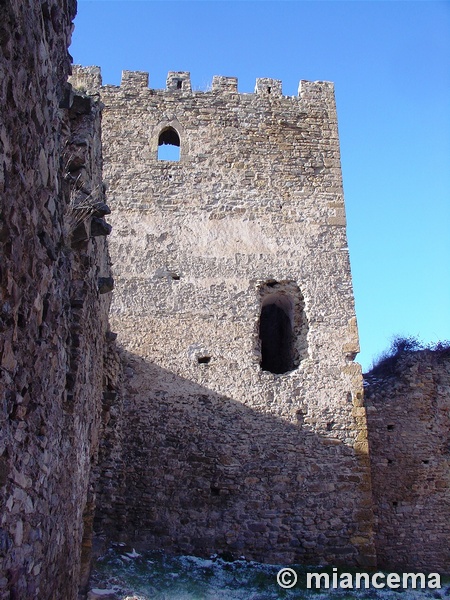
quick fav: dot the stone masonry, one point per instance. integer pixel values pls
(243, 429)
(53, 314)
(408, 414)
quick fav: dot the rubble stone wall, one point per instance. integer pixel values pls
(408, 415)
(53, 319)
(218, 454)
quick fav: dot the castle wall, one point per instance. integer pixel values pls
(217, 454)
(53, 318)
(408, 415)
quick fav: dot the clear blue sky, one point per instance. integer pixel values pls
(390, 62)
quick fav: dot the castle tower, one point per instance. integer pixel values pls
(244, 430)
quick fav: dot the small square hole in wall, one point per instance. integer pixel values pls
(204, 360)
(390, 427)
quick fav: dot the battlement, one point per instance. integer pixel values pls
(90, 79)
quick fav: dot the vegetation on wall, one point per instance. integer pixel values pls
(387, 362)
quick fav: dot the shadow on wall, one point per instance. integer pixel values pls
(408, 411)
(196, 472)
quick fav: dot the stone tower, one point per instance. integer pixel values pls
(243, 429)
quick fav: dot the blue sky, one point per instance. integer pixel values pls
(390, 62)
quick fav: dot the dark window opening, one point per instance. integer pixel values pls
(169, 145)
(269, 89)
(275, 332)
(204, 360)
(179, 83)
(282, 327)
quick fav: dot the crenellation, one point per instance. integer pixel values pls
(268, 87)
(224, 84)
(134, 79)
(178, 81)
(316, 91)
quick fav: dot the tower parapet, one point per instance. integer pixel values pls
(89, 79)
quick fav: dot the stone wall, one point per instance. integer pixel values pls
(408, 411)
(217, 452)
(53, 318)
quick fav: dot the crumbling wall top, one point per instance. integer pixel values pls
(87, 79)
